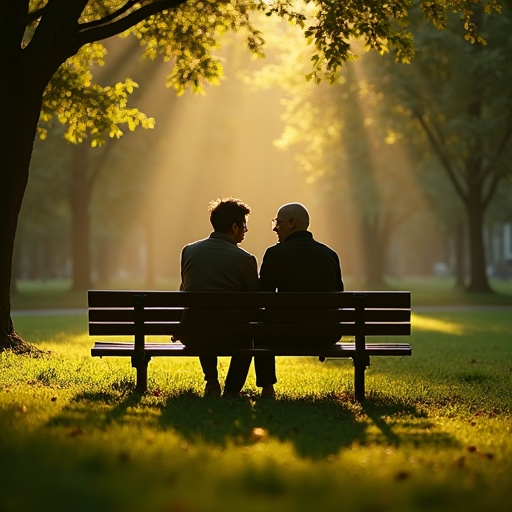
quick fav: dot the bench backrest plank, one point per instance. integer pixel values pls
(259, 313)
(244, 300)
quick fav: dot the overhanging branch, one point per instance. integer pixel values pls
(101, 30)
(111, 17)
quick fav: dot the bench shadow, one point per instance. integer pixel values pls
(315, 428)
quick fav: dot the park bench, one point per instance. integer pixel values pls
(355, 315)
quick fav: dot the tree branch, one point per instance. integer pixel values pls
(12, 24)
(437, 145)
(104, 31)
(35, 15)
(491, 190)
(496, 176)
(503, 143)
(110, 17)
(58, 28)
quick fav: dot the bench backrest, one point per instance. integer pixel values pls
(142, 313)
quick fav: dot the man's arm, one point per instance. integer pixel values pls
(339, 280)
(250, 275)
(182, 286)
(268, 282)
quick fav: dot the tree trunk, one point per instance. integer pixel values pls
(20, 103)
(475, 210)
(478, 281)
(460, 260)
(80, 198)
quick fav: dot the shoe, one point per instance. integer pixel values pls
(228, 393)
(212, 388)
(268, 392)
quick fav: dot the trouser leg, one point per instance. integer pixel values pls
(265, 367)
(237, 374)
(209, 366)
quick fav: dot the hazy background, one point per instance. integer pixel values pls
(153, 187)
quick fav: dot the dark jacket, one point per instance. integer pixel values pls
(300, 264)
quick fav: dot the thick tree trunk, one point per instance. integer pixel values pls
(20, 103)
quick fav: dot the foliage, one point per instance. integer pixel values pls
(86, 108)
(433, 434)
(186, 34)
(468, 122)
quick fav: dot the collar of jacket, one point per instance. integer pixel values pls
(222, 236)
(299, 234)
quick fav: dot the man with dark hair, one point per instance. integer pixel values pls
(218, 264)
(298, 263)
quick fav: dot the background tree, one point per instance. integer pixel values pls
(460, 97)
(44, 61)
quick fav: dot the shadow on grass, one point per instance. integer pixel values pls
(314, 427)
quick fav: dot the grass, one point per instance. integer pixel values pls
(434, 433)
(425, 291)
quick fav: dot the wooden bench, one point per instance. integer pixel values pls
(356, 315)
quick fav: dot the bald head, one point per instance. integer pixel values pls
(290, 218)
(295, 211)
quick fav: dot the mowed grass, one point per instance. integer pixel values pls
(434, 433)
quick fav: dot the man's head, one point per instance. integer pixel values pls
(290, 218)
(229, 216)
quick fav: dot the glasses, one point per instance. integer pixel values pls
(276, 222)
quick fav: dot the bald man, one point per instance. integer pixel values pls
(297, 263)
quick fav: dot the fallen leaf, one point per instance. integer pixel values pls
(259, 433)
(76, 432)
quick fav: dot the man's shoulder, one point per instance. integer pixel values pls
(216, 244)
(297, 244)
(193, 245)
(273, 249)
(324, 247)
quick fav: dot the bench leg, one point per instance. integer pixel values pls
(360, 364)
(140, 363)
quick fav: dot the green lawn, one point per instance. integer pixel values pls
(434, 435)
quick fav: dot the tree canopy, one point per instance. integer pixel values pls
(186, 34)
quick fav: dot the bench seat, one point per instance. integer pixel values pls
(340, 350)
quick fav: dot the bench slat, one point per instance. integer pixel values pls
(117, 349)
(230, 300)
(274, 330)
(174, 315)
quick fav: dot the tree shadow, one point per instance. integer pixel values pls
(314, 427)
